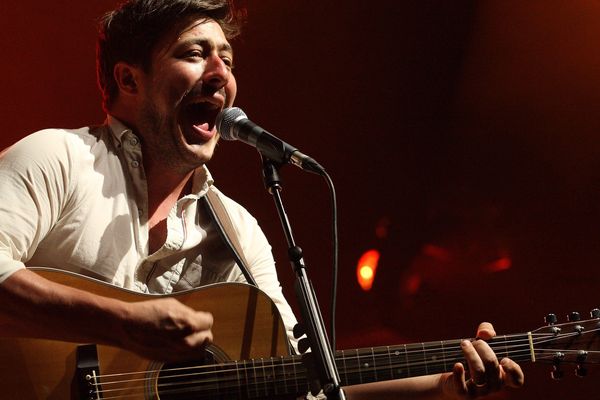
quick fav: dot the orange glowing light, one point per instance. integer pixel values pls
(366, 269)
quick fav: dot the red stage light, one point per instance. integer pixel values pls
(366, 269)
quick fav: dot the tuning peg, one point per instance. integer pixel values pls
(595, 313)
(580, 371)
(573, 316)
(550, 319)
(556, 373)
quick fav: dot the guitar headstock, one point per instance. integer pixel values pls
(573, 342)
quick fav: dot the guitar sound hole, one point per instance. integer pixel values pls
(205, 379)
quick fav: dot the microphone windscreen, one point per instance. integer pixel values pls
(226, 120)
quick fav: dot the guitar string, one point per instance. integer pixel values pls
(220, 386)
(403, 349)
(269, 365)
(283, 363)
(415, 366)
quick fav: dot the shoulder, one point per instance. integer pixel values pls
(49, 145)
(245, 225)
(239, 214)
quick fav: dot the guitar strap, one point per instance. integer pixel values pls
(218, 213)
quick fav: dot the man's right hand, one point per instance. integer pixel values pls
(166, 330)
(160, 329)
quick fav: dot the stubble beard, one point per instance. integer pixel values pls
(160, 132)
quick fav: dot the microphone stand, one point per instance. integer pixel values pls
(321, 356)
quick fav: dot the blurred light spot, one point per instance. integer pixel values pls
(500, 264)
(413, 284)
(366, 272)
(382, 229)
(438, 253)
(366, 269)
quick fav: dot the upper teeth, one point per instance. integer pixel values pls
(206, 102)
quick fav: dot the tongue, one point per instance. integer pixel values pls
(204, 126)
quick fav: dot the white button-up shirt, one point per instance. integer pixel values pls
(77, 200)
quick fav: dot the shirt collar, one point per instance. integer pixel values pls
(117, 128)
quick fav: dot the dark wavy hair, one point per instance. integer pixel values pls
(131, 32)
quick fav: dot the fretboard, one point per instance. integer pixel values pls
(404, 361)
(278, 376)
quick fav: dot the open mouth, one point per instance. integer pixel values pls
(201, 114)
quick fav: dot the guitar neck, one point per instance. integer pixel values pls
(409, 360)
(259, 378)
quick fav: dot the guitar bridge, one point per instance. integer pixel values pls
(86, 379)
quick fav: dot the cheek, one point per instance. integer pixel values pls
(230, 91)
(175, 83)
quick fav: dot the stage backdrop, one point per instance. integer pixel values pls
(462, 138)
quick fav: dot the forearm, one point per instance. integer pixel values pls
(32, 306)
(422, 388)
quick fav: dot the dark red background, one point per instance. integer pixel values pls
(467, 131)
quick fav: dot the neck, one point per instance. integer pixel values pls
(164, 189)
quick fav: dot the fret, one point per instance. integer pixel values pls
(505, 346)
(374, 365)
(345, 369)
(424, 358)
(264, 377)
(295, 375)
(239, 383)
(415, 355)
(432, 352)
(284, 375)
(367, 371)
(407, 363)
(390, 362)
(277, 376)
(217, 386)
(358, 362)
(455, 355)
(351, 367)
(245, 369)
(444, 356)
(399, 363)
(226, 380)
(519, 348)
(254, 377)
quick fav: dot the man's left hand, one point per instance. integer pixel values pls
(486, 373)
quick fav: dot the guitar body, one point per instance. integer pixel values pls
(247, 325)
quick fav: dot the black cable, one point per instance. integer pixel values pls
(334, 230)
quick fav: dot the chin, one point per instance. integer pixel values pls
(201, 153)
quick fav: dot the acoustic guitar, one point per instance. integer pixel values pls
(249, 359)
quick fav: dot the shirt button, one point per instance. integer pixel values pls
(140, 212)
(135, 164)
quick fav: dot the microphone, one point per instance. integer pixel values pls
(233, 124)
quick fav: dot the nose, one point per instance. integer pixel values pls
(217, 73)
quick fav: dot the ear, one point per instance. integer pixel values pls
(127, 78)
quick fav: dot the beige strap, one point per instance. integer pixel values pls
(215, 207)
